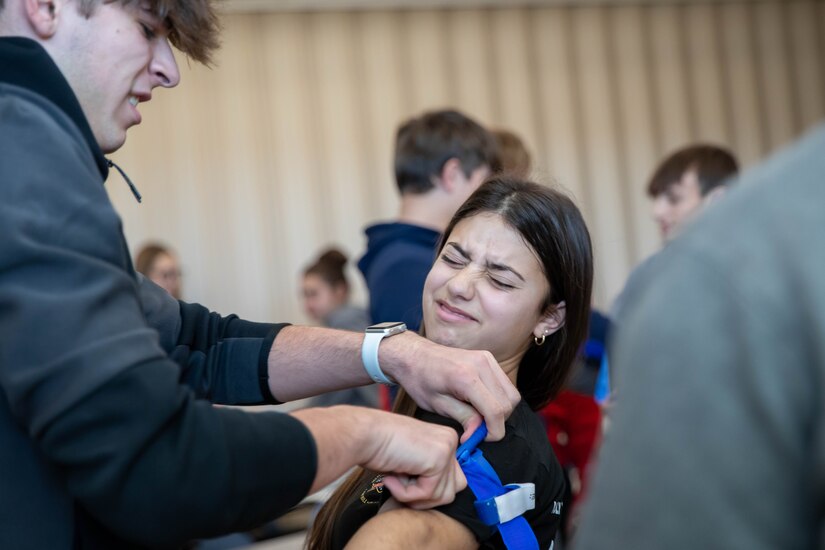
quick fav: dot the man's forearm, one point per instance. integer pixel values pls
(339, 435)
(307, 361)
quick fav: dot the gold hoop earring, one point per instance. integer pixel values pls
(539, 341)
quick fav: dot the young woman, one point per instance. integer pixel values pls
(160, 265)
(325, 290)
(513, 276)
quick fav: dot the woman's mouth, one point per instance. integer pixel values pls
(452, 314)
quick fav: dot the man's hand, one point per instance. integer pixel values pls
(465, 385)
(417, 458)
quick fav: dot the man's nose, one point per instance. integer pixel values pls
(163, 66)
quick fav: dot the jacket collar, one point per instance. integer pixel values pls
(24, 63)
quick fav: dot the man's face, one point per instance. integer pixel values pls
(677, 205)
(113, 60)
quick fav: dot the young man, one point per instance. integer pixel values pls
(685, 183)
(101, 445)
(441, 157)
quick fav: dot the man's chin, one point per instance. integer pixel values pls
(112, 144)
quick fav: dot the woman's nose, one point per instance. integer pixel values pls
(462, 284)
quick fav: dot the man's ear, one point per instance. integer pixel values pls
(43, 16)
(451, 174)
(551, 321)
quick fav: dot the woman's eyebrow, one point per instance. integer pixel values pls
(502, 267)
(490, 265)
(460, 250)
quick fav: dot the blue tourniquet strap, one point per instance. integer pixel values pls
(486, 485)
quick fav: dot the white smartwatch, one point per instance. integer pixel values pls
(369, 349)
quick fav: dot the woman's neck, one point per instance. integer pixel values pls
(510, 367)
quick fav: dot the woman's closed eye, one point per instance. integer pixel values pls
(451, 261)
(504, 285)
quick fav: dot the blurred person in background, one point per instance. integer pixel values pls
(513, 154)
(325, 290)
(685, 183)
(160, 265)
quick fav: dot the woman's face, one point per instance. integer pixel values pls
(321, 298)
(166, 274)
(485, 291)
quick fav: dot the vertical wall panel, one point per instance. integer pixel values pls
(293, 152)
(286, 145)
(602, 166)
(807, 54)
(775, 72)
(741, 61)
(559, 161)
(427, 55)
(384, 96)
(671, 77)
(636, 139)
(707, 89)
(471, 65)
(509, 38)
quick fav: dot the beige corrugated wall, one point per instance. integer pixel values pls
(285, 146)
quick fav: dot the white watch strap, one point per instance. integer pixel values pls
(369, 355)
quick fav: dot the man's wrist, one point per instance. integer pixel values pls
(394, 354)
(362, 427)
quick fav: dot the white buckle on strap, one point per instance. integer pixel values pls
(519, 498)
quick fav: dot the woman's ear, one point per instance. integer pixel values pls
(551, 321)
(43, 16)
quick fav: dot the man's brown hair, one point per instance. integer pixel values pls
(192, 24)
(711, 164)
(424, 144)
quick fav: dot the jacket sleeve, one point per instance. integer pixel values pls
(223, 359)
(86, 378)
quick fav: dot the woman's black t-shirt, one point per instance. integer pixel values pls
(523, 456)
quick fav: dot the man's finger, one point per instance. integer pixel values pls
(419, 493)
(470, 426)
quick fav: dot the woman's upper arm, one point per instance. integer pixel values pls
(405, 528)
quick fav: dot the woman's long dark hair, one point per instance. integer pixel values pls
(553, 227)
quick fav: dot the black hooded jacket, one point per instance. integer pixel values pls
(105, 440)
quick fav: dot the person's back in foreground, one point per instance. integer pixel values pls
(717, 440)
(497, 285)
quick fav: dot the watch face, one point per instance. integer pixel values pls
(383, 327)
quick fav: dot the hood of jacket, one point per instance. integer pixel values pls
(24, 63)
(382, 235)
